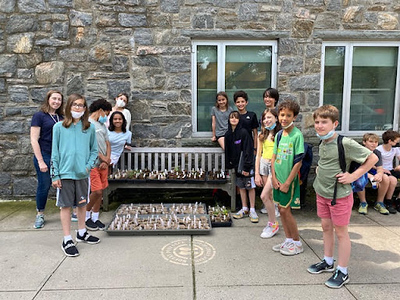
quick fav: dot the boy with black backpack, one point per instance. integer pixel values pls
(334, 192)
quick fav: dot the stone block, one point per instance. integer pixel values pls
(145, 131)
(5, 178)
(18, 94)
(100, 53)
(304, 83)
(120, 63)
(302, 28)
(20, 43)
(51, 42)
(2, 85)
(132, 20)
(25, 73)
(73, 54)
(49, 54)
(146, 61)
(75, 84)
(7, 6)
(143, 36)
(178, 81)
(169, 6)
(248, 11)
(39, 93)
(175, 64)
(118, 86)
(13, 111)
(21, 23)
(291, 65)
(29, 6)
(49, 72)
(8, 65)
(12, 127)
(60, 30)
(106, 19)
(79, 18)
(24, 186)
(61, 3)
(26, 61)
(203, 22)
(388, 21)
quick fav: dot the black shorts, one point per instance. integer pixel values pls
(395, 173)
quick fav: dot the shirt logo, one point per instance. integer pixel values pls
(237, 142)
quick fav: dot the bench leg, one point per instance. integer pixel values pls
(106, 200)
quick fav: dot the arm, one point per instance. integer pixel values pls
(258, 178)
(255, 139)
(55, 158)
(35, 134)
(275, 182)
(213, 125)
(105, 159)
(379, 174)
(347, 178)
(93, 149)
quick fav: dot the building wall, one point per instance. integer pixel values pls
(100, 48)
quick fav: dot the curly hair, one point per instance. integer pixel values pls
(100, 104)
(290, 105)
(111, 127)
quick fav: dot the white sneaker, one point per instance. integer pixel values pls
(270, 230)
(277, 248)
(253, 217)
(263, 210)
(291, 249)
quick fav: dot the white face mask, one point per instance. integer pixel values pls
(287, 126)
(77, 115)
(120, 103)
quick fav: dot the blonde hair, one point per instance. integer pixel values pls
(370, 136)
(327, 111)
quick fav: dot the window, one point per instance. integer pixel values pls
(229, 66)
(361, 80)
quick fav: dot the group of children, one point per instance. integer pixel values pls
(279, 150)
(78, 151)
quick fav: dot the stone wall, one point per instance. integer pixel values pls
(102, 47)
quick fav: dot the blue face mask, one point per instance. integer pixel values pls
(270, 127)
(326, 136)
(102, 119)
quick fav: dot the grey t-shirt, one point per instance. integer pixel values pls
(101, 137)
(221, 120)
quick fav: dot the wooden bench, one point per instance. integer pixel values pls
(160, 159)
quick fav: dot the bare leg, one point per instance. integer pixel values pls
(65, 216)
(266, 197)
(344, 245)
(221, 142)
(289, 223)
(252, 198)
(95, 201)
(328, 237)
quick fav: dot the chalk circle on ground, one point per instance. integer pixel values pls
(180, 252)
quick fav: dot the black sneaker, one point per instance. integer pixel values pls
(397, 204)
(100, 225)
(87, 238)
(90, 225)
(389, 206)
(69, 248)
(320, 267)
(337, 280)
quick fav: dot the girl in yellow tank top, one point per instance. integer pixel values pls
(269, 127)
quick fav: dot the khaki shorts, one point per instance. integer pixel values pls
(265, 167)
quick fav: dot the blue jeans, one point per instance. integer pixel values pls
(44, 182)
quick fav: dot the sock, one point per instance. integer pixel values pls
(329, 260)
(252, 210)
(87, 215)
(342, 269)
(67, 238)
(82, 231)
(245, 208)
(289, 240)
(298, 243)
(95, 216)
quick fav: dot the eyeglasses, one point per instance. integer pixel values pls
(78, 105)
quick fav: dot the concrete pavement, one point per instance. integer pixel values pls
(229, 263)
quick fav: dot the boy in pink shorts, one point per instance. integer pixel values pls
(335, 217)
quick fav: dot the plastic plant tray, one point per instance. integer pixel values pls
(151, 224)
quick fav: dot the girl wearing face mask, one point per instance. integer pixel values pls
(270, 126)
(74, 153)
(121, 101)
(99, 111)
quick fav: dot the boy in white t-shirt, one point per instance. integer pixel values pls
(389, 152)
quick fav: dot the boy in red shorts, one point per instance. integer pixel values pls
(335, 217)
(99, 110)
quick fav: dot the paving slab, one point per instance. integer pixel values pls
(17, 295)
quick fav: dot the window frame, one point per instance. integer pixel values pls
(348, 66)
(221, 55)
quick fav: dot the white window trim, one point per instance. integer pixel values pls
(221, 70)
(347, 80)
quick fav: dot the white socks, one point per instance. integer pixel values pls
(67, 238)
(329, 260)
(95, 216)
